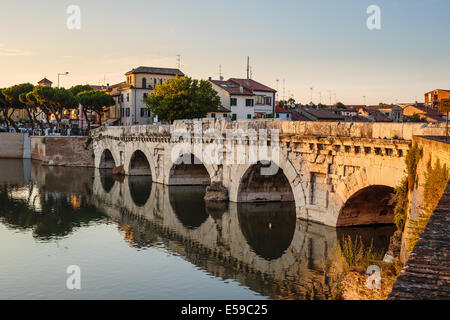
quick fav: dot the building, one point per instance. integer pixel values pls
(45, 83)
(281, 113)
(139, 83)
(245, 98)
(313, 114)
(374, 115)
(428, 113)
(393, 112)
(222, 112)
(433, 98)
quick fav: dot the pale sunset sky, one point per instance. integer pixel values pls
(322, 43)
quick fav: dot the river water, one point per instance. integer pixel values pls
(133, 239)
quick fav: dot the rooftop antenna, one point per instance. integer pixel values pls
(311, 88)
(364, 100)
(248, 67)
(320, 97)
(179, 61)
(251, 73)
(220, 72)
(278, 81)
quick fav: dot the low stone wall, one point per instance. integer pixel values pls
(14, 145)
(62, 151)
(427, 273)
(371, 130)
(433, 148)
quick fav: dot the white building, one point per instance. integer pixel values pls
(139, 84)
(245, 98)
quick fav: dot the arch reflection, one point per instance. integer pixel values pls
(268, 228)
(140, 189)
(188, 204)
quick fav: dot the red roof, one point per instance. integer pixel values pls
(281, 110)
(251, 85)
(232, 88)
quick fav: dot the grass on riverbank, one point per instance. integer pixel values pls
(346, 269)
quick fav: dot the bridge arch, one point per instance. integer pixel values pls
(371, 205)
(254, 186)
(189, 170)
(107, 160)
(139, 164)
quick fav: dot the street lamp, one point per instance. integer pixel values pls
(62, 74)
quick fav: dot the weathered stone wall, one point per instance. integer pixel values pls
(14, 145)
(427, 272)
(434, 148)
(62, 151)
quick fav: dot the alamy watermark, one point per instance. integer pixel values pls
(74, 19)
(374, 279)
(374, 20)
(227, 147)
(73, 282)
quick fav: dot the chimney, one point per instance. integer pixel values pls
(209, 78)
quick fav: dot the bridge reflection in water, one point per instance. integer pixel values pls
(262, 246)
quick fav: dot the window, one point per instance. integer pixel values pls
(233, 116)
(249, 116)
(233, 102)
(121, 112)
(128, 97)
(213, 115)
(154, 82)
(121, 97)
(268, 101)
(144, 83)
(249, 102)
(128, 112)
(260, 99)
(145, 95)
(143, 112)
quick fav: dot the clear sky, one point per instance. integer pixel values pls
(322, 43)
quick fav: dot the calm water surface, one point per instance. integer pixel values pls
(136, 240)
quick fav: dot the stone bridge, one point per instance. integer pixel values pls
(337, 174)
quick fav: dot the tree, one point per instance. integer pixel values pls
(55, 101)
(4, 107)
(94, 101)
(416, 118)
(340, 105)
(183, 98)
(12, 96)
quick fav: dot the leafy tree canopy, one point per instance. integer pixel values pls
(183, 98)
(12, 94)
(340, 105)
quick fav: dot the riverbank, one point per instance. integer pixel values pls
(71, 151)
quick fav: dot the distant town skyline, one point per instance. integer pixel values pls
(321, 44)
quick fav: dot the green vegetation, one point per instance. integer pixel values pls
(183, 98)
(406, 185)
(436, 179)
(94, 101)
(346, 269)
(401, 208)
(340, 105)
(48, 101)
(416, 118)
(412, 160)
